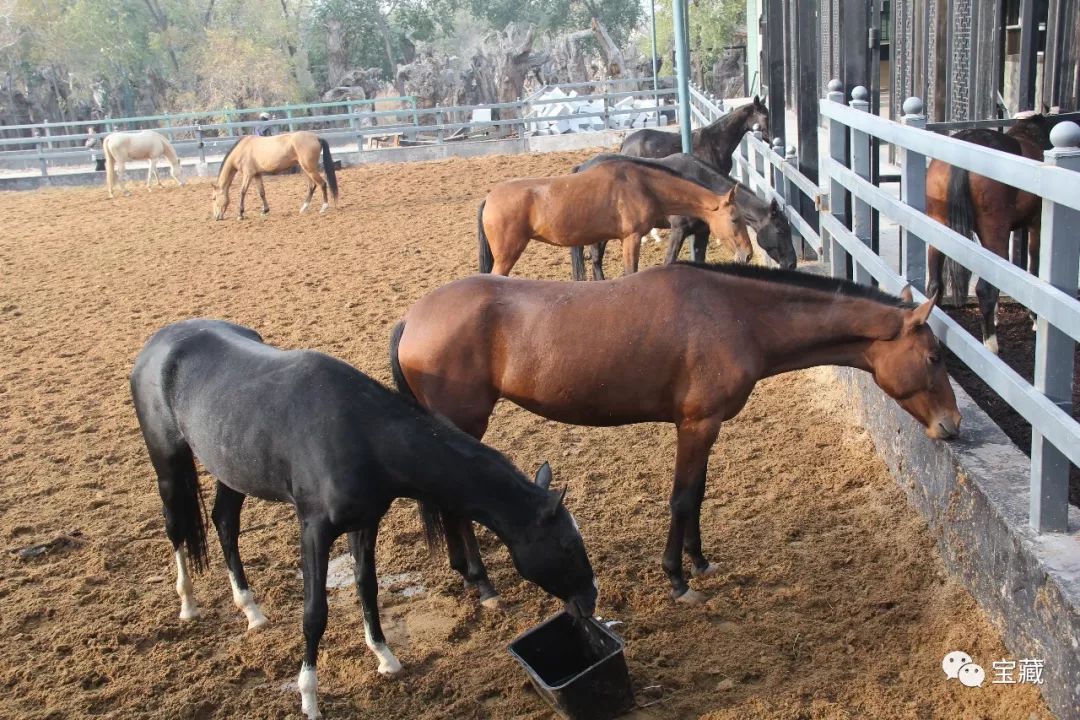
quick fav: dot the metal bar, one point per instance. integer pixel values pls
(861, 150)
(774, 53)
(808, 51)
(1059, 308)
(1029, 35)
(1051, 183)
(913, 192)
(655, 69)
(682, 60)
(1059, 259)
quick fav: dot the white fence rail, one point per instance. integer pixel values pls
(847, 199)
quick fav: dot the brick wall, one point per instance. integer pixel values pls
(960, 61)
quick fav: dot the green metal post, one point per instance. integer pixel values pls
(655, 70)
(682, 61)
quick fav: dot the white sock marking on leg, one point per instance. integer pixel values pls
(991, 343)
(189, 609)
(308, 682)
(245, 602)
(388, 664)
(324, 208)
(304, 207)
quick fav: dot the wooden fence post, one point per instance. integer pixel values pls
(1059, 259)
(913, 192)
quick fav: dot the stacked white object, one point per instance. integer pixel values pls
(560, 112)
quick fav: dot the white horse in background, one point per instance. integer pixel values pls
(121, 147)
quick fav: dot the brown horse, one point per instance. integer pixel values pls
(254, 156)
(560, 350)
(967, 202)
(620, 199)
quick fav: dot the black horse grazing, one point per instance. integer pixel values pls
(713, 143)
(305, 428)
(767, 219)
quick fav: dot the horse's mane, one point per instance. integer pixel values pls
(1035, 128)
(645, 162)
(810, 281)
(721, 123)
(993, 139)
(227, 154)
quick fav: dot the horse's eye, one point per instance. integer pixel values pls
(933, 358)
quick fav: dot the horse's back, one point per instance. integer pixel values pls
(650, 143)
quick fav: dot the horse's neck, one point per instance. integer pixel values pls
(727, 129)
(226, 173)
(683, 197)
(799, 328)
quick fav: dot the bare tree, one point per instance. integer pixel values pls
(9, 32)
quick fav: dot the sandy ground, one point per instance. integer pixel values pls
(832, 602)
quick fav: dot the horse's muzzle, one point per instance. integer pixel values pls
(582, 606)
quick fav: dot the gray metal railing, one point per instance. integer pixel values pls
(847, 200)
(346, 122)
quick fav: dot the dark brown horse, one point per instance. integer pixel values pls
(968, 202)
(713, 143)
(622, 199)
(560, 350)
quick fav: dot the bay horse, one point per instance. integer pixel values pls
(305, 428)
(621, 199)
(968, 202)
(713, 143)
(560, 350)
(767, 219)
(121, 147)
(254, 156)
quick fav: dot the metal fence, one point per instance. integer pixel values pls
(347, 122)
(847, 201)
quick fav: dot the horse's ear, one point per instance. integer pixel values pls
(757, 101)
(906, 295)
(774, 208)
(921, 314)
(543, 476)
(730, 196)
(551, 509)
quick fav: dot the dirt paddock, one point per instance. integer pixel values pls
(832, 602)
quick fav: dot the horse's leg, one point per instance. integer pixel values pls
(157, 177)
(1034, 231)
(934, 261)
(701, 243)
(315, 542)
(577, 262)
(244, 184)
(675, 242)
(121, 176)
(325, 195)
(464, 552)
(226, 517)
(995, 240)
(310, 192)
(695, 440)
(262, 193)
(631, 252)
(596, 251)
(150, 173)
(506, 254)
(362, 545)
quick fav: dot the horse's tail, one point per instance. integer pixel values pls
(487, 260)
(328, 168)
(184, 508)
(962, 220)
(395, 364)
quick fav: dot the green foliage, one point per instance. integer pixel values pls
(712, 25)
(619, 16)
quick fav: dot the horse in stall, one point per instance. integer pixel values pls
(121, 147)
(560, 350)
(304, 428)
(713, 143)
(767, 219)
(620, 199)
(253, 156)
(968, 202)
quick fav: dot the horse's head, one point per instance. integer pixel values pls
(549, 551)
(911, 369)
(219, 203)
(728, 225)
(774, 237)
(758, 115)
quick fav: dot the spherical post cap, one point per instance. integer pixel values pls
(836, 86)
(1065, 135)
(913, 106)
(792, 150)
(778, 144)
(860, 93)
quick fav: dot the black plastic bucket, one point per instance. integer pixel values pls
(577, 666)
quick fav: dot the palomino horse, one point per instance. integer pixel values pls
(304, 428)
(968, 202)
(560, 350)
(253, 156)
(621, 199)
(713, 143)
(120, 147)
(770, 224)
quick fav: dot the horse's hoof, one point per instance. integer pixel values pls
(303, 208)
(389, 669)
(190, 613)
(257, 624)
(991, 344)
(692, 597)
(324, 208)
(707, 572)
(495, 602)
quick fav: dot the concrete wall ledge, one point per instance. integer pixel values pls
(973, 493)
